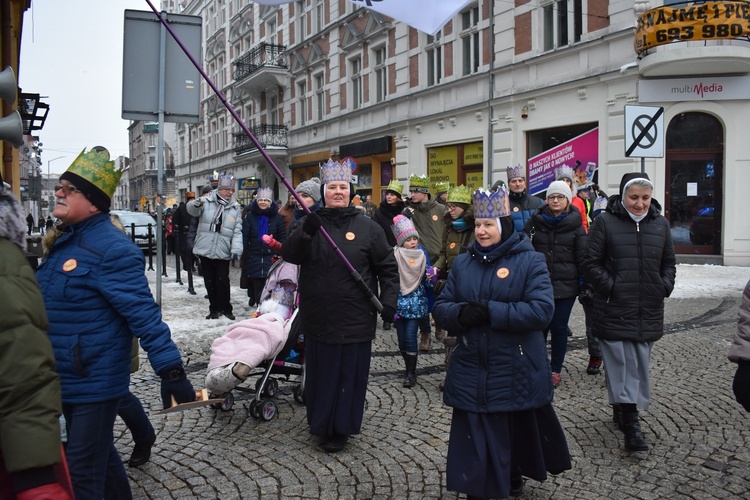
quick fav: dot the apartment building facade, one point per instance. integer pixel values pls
(538, 83)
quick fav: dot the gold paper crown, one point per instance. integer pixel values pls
(333, 171)
(396, 187)
(490, 205)
(442, 187)
(459, 194)
(565, 172)
(265, 194)
(419, 183)
(516, 172)
(96, 167)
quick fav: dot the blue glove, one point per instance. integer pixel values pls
(174, 382)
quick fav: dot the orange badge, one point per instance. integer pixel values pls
(503, 272)
(411, 262)
(231, 219)
(69, 265)
(350, 236)
(452, 245)
(435, 217)
(515, 209)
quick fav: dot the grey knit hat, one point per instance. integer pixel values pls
(560, 187)
(310, 187)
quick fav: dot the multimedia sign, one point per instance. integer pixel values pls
(706, 21)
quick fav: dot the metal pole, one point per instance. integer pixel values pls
(160, 162)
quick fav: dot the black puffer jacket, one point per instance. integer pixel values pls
(384, 216)
(632, 269)
(563, 245)
(333, 308)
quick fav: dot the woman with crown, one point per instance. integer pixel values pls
(337, 317)
(497, 301)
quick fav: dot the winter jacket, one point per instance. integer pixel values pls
(211, 244)
(299, 216)
(578, 203)
(97, 298)
(29, 386)
(631, 266)
(384, 216)
(256, 255)
(333, 307)
(500, 366)
(740, 348)
(428, 219)
(522, 207)
(562, 244)
(455, 242)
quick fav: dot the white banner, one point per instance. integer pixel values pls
(425, 15)
(705, 88)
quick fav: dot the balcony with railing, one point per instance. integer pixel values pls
(274, 136)
(265, 66)
(693, 38)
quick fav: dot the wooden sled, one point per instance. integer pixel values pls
(201, 399)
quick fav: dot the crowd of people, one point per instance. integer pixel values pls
(495, 272)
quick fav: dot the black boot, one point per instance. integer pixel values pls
(631, 427)
(617, 415)
(411, 370)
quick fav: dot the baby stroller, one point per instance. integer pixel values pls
(274, 331)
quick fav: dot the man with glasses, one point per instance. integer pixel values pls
(219, 236)
(97, 298)
(522, 204)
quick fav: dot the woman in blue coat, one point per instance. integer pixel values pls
(497, 301)
(262, 218)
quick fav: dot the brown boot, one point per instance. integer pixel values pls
(241, 371)
(424, 341)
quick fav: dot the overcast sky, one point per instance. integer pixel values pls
(71, 54)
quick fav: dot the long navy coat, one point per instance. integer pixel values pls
(256, 255)
(501, 366)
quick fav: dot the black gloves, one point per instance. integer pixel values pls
(741, 384)
(311, 224)
(474, 314)
(174, 382)
(388, 314)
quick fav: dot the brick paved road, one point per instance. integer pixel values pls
(698, 434)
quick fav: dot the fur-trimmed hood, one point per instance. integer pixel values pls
(12, 224)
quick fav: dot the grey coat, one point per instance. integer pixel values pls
(217, 245)
(740, 348)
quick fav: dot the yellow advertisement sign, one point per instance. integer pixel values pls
(707, 21)
(474, 180)
(442, 165)
(473, 153)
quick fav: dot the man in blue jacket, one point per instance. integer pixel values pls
(97, 298)
(522, 204)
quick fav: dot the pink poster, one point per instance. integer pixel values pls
(581, 153)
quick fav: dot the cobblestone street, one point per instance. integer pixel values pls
(698, 434)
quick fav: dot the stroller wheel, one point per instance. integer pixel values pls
(272, 388)
(228, 402)
(254, 409)
(299, 395)
(267, 410)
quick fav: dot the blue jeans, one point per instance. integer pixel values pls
(131, 412)
(95, 466)
(406, 330)
(558, 327)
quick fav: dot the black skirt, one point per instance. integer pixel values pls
(336, 378)
(485, 449)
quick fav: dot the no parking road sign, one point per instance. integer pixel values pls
(644, 131)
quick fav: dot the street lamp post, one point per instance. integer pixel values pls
(51, 205)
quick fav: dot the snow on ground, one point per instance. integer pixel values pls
(707, 280)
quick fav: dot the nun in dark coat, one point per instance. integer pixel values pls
(497, 301)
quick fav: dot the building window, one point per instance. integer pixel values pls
(320, 16)
(381, 80)
(560, 21)
(273, 103)
(302, 89)
(356, 66)
(271, 32)
(301, 21)
(470, 41)
(319, 96)
(434, 60)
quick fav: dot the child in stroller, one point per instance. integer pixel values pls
(268, 340)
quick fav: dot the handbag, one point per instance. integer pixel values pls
(244, 282)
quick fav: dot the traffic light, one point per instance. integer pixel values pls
(11, 126)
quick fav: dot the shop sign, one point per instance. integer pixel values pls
(473, 153)
(442, 165)
(249, 184)
(474, 180)
(707, 88)
(581, 153)
(706, 21)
